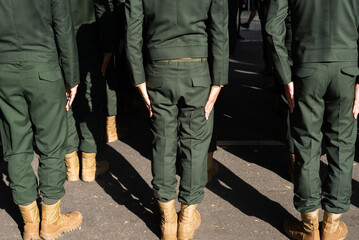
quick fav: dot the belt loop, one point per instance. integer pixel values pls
(170, 61)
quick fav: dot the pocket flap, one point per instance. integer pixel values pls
(154, 83)
(201, 81)
(50, 75)
(304, 72)
(351, 71)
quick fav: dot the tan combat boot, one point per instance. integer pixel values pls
(111, 129)
(291, 167)
(53, 223)
(189, 221)
(30, 214)
(212, 167)
(332, 227)
(73, 166)
(307, 229)
(168, 220)
(91, 168)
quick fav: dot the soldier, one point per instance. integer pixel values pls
(93, 25)
(179, 87)
(320, 90)
(38, 56)
(116, 76)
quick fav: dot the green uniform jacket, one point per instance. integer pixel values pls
(322, 31)
(93, 22)
(171, 29)
(42, 33)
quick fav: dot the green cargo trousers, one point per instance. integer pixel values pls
(178, 94)
(324, 96)
(112, 87)
(88, 106)
(32, 107)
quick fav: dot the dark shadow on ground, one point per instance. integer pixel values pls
(247, 199)
(273, 158)
(7, 203)
(124, 184)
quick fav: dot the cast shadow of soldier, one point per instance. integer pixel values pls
(125, 185)
(248, 199)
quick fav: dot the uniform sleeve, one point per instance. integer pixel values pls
(276, 29)
(289, 37)
(218, 42)
(134, 40)
(104, 17)
(66, 41)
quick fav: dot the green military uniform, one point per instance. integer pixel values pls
(112, 75)
(93, 25)
(325, 69)
(178, 88)
(37, 56)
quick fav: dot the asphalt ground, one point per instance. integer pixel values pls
(250, 197)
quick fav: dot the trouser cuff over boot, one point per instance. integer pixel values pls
(31, 217)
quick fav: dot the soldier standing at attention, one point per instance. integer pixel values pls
(179, 74)
(323, 96)
(93, 25)
(38, 56)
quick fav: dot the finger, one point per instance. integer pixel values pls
(67, 106)
(356, 109)
(208, 109)
(149, 109)
(71, 100)
(292, 105)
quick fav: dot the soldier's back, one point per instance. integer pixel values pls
(26, 31)
(325, 30)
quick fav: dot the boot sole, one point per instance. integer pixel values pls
(58, 233)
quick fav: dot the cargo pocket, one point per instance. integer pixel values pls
(304, 72)
(350, 71)
(50, 76)
(201, 81)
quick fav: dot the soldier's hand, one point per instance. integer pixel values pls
(211, 100)
(144, 94)
(70, 94)
(105, 62)
(356, 101)
(289, 93)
